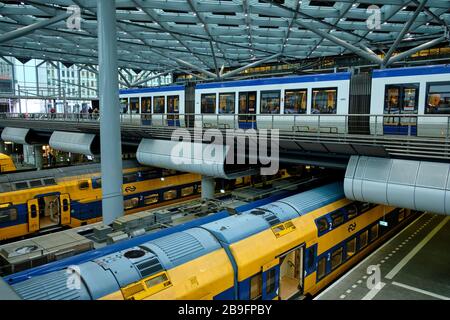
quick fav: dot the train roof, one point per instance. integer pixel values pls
(4, 156)
(277, 80)
(238, 227)
(411, 71)
(6, 180)
(152, 90)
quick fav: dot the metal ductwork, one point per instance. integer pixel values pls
(417, 185)
(205, 159)
(17, 135)
(82, 143)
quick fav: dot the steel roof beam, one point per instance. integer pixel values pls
(29, 29)
(404, 31)
(410, 52)
(251, 65)
(342, 43)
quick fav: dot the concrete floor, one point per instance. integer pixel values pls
(414, 265)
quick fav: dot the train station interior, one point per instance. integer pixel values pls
(225, 150)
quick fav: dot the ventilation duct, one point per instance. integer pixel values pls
(204, 159)
(82, 143)
(417, 185)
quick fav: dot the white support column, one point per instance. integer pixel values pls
(38, 158)
(208, 187)
(110, 137)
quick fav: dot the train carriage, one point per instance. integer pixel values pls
(70, 197)
(275, 103)
(164, 106)
(290, 248)
(422, 92)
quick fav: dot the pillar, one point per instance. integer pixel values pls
(208, 187)
(38, 158)
(110, 138)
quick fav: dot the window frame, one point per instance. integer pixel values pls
(353, 244)
(204, 95)
(261, 111)
(233, 94)
(324, 89)
(322, 262)
(427, 93)
(147, 110)
(257, 277)
(306, 100)
(271, 280)
(339, 251)
(9, 208)
(171, 191)
(366, 236)
(155, 105)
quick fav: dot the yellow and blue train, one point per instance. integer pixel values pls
(70, 197)
(289, 248)
(6, 163)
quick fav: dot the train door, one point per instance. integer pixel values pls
(33, 215)
(49, 209)
(173, 111)
(247, 110)
(291, 273)
(65, 209)
(401, 100)
(146, 111)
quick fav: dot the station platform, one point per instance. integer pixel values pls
(413, 265)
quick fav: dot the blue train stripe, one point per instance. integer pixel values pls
(412, 71)
(284, 80)
(151, 90)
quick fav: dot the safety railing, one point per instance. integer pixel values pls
(432, 125)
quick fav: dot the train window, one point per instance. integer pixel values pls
(131, 203)
(134, 105)
(156, 280)
(169, 195)
(256, 287)
(374, 232)
(124, 105)
(336, 258)
(35, 183)
(173, 104)
(392, 100)
(337, 219)
(363, 206)
(159, 103)
(129, 178)
(21, 185)
(227, 103)
(324, 101)
(401, 215)
(65, 204)
(270, 102)
(352, 211)
(7, 213)
(49, 182)
(321, 268)
(83, 185)
(146, 104)
(438, 98)
(322, 224)
(151, 199)
(208, 103)
(363, 239)
(401, 98)
(187, 191)
(33, 210)
(97, 183)
(295, 101)
(270, 280)
(351, 247)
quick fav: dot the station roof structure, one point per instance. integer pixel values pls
(206, 35)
